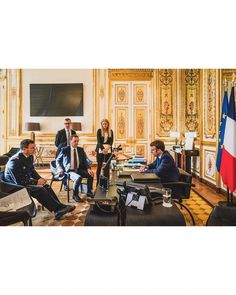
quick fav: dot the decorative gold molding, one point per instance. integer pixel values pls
(208, 143)
(192, 92)
(210, 104)
(211, 165)
(166, 102)
(130, 74)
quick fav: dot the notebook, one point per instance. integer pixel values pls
(126, 173)
(145, 177)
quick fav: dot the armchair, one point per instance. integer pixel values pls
(23, 214)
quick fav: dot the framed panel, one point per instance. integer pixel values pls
(140, 94)
(140, 123)
(166, 101)
(121, 94)
(210, 99)
(90, 151)
(209, 165)
(141, 150)
(121, 123)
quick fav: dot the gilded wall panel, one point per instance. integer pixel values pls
(121, 123)
(209, 165)
(121, 94)
(140, 123)
(140, 150)
(13, 98)
(191, 97)
(166, 92)
(130, 74)
(140, 94)
(210, 104)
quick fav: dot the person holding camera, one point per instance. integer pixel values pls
(104, 147)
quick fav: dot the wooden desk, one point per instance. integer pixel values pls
(152, 216)
(183, 159)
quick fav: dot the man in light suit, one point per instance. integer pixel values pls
(73, 160)
(63, 136)
(164, 165)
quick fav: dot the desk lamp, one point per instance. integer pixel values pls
(30, 126)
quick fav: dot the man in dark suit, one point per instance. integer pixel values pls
(73, 160)
(63, 136)
(164, 165)
(20, 170)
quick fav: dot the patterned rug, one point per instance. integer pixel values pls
(198, 207)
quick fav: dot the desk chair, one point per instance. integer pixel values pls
(12, 152)
(63, 178)
(222, 216)
(181, 189)
(23, 214)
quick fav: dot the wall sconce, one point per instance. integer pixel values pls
(175, 134)
(30, 126)
(76, 126)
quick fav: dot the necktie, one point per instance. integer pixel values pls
(75, 160)
(68, 137)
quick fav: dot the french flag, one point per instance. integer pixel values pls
(228, 160)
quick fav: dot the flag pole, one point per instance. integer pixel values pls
(232, 199)
(228, 203)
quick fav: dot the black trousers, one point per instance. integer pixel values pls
(100, 159)
(45, 196)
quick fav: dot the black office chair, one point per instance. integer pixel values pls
(23, 214)
(222, 216)
(181, 189)
(12, 152)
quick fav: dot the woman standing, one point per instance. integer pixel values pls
(104, 147)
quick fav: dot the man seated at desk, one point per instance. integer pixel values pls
(164, 165)
(73, 160)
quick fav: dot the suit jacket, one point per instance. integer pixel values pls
(61, 137)
(20, 170)
(63, 161)
(100, 140)
(165, 168)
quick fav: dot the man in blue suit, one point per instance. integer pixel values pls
(73, 160)
(164, 165)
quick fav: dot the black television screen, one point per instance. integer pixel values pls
(56, 100)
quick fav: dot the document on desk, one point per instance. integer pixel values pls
(16, 200)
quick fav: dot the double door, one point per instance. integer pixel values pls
(130, 116)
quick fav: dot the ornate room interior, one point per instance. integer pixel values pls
(141, 105)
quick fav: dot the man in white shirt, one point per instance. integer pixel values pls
(63, 136)
(73, 160)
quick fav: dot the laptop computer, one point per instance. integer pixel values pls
(144, 177)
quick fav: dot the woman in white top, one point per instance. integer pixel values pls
(104, 147)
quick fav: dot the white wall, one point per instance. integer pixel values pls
(53, 124)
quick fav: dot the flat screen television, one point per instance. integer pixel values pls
(54, 100)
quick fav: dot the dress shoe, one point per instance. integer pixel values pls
(62, 212)
(72, 207)
(90, 195)
(77, 199)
